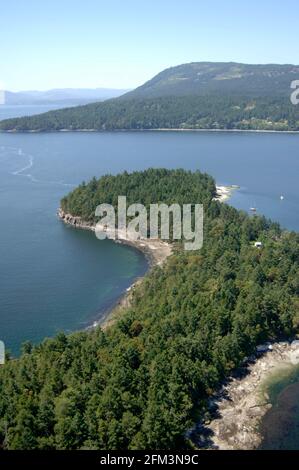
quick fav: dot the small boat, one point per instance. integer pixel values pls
(253, 209)
(281, 198)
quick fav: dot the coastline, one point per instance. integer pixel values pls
(238, 407)
(243, 400)
(255, 131)
(155, 250)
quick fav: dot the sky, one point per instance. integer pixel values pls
(121, 44)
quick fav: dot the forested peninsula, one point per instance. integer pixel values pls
(144, 381)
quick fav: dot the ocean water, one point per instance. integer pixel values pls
(53, 277)
(280, 425)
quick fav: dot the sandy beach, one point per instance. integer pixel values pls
(241, 403)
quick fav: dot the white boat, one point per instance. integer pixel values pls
(281, 198)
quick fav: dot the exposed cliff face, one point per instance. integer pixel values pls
(75, 221)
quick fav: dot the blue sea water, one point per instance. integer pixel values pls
(53, 277)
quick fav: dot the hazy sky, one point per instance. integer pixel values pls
(121, 44)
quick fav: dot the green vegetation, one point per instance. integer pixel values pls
(142, 382)
(220, 78)
(146, 187)
(190, 96)
(182, 112)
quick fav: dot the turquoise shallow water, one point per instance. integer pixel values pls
(280, 425)
(55, 278)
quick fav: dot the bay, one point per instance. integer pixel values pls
(55, 278)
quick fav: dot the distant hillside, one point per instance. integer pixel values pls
(202, 78)
(191, 96)
(62, 95)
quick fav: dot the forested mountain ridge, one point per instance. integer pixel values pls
(190, 96)
(143, 382)
(220, 78)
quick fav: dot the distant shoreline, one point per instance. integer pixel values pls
(100, 131)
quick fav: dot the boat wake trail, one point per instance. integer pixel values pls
(27, 167)
(30, 163)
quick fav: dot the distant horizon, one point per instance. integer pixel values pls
(44, 90)
(67, 96)
(126, 89)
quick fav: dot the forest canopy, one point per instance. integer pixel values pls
(168, 112)
(144, 381)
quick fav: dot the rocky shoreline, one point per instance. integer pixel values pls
(156, 251)
(238, 408)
